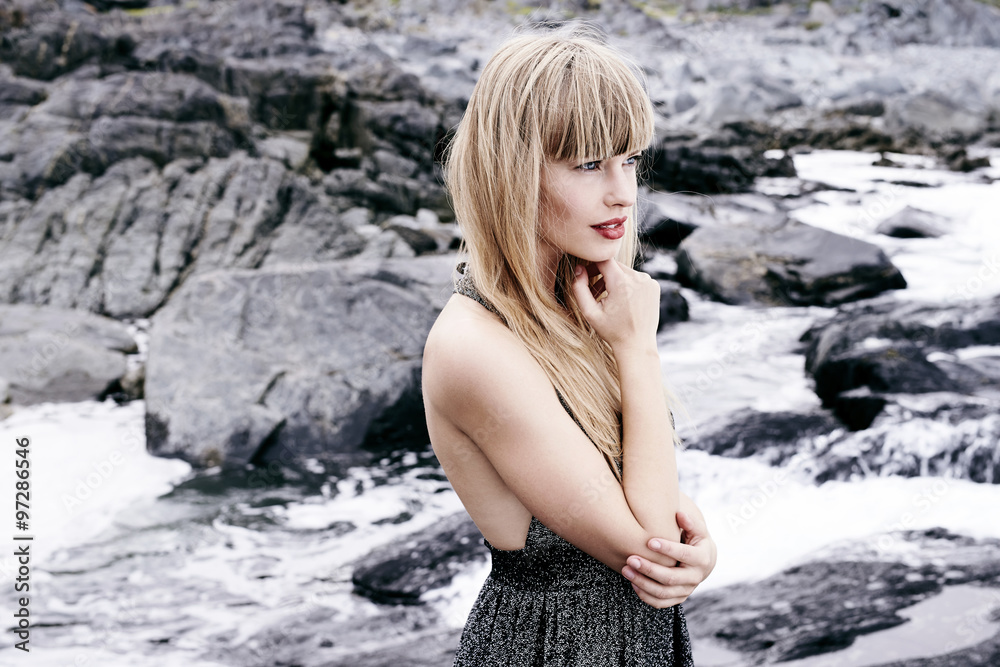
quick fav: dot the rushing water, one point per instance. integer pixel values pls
(140, 560)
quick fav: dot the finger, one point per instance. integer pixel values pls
(657, 602)
(682, 583)
(643, 570)
(694, 529)
(584, 297)
(686, 554)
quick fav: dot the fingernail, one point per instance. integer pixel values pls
(634, 563)
(578, 270)
(654, 544)
(629, 574)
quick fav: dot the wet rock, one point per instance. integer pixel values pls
(58, 354)
(290, 362)
(913, 223)
(402, 572)
(779, 261)
(937, 434)
(895, 367)
(771, 436)
(849, 590)
(891, 348)
(673, 305)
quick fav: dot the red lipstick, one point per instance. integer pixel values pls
(611, 229)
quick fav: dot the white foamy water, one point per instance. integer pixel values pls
(138, 560)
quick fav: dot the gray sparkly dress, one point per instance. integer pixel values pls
(552, 605)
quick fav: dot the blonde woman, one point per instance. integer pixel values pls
(541, 376)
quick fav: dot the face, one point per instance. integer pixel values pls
(584, 206)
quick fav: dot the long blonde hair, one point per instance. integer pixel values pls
(543, 97)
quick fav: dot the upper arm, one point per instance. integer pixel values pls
(497, 394)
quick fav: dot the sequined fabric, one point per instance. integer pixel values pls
(553, 605)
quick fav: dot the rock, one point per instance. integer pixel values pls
(752, 99)
(291, 362)
(850, 589)
(719, 164)
(47, 43)
(893, 367)
(784, 262)
(673, 306)
(935, 114)
(147, 230)
(401, 572)
(889, 348)
(821, 12)
(913, 223)
(58, 354)
(89, 124)
(885, 25)
(772, 436)
(940, 434)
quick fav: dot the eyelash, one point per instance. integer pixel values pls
(637, 159)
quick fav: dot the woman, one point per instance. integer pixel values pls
(544, 400)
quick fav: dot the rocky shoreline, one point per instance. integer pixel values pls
(147, 146)
(261, 181)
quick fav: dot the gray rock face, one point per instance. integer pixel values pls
(887, 348)
(854, 589)
(784, 262)
(56, 354)
(290, 362)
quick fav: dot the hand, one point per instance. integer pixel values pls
(662, 587)
(625, 313)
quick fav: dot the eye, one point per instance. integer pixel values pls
(590, 166)
(633, 160)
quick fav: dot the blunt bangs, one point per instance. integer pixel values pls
(599, 109)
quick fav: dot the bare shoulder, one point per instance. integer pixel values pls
(470, 353)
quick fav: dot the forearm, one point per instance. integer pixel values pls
(649, 465)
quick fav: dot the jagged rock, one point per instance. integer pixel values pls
(46, 42)
(913, 223)
(783, 262)
(885, 25)
(58, 354)
(290, 362)
(890, 348)
(400, 573)
(935, 434)
(89, 124)
(851, 589)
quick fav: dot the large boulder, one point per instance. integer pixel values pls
(292, 362)
(120, 243)
(779, 261)
(58, 354)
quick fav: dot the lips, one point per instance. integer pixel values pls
(611, 229)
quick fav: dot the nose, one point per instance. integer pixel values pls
(621, 187)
